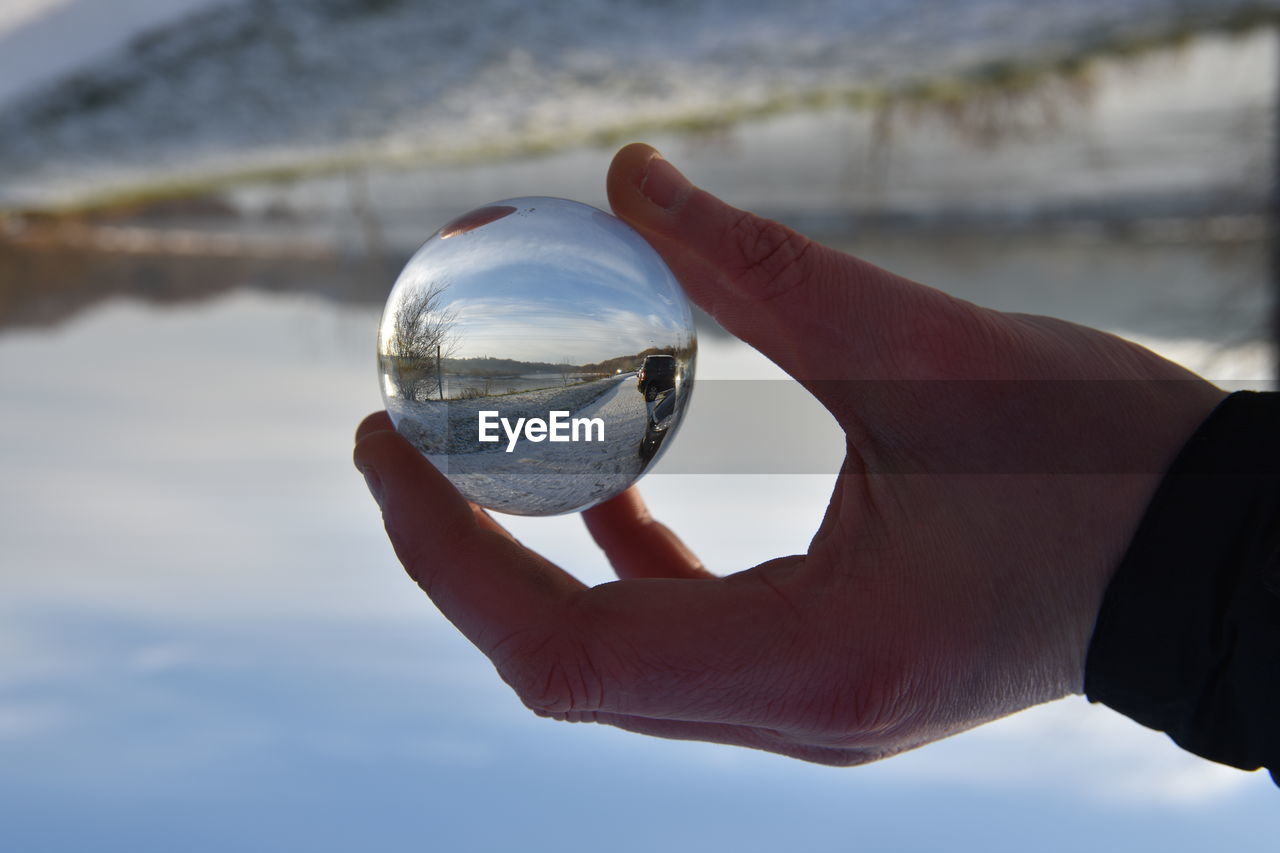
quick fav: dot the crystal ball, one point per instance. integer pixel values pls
(539, 353)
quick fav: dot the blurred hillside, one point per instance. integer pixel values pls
(276, 89)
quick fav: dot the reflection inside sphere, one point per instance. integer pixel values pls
(539, 352)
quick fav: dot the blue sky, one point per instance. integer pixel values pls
(206, 643)
(555, 281)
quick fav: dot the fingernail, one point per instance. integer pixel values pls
(374, 482)
(663, 184)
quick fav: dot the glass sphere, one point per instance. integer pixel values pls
(538, 352)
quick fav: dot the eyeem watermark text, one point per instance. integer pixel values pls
(558, 426)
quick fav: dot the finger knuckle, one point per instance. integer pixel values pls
(420, 560)
(422, 555)
(771, 258)
(877, 710)
(551, 676)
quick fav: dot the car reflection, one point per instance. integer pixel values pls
(657, 374)
(656, 380)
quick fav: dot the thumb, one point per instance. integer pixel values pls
(818, 313)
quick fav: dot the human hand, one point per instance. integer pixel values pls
(997, 466)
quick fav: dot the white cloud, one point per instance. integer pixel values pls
(16, 13)
(20, 720)
(159, 658)
(1080, 749)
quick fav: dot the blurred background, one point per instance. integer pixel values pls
(205, 641)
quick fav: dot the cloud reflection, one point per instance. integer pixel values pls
(528, 287)
(516, 329)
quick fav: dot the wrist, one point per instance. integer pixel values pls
(1189, 630)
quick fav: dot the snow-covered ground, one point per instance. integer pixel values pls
(41, 40)
(308, 84)
(535, 478)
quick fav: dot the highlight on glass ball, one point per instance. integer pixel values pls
(538, 352)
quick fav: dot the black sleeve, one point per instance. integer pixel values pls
(1188, 637)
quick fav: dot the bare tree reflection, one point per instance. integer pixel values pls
(420, 339)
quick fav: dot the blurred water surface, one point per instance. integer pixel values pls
(207, 641)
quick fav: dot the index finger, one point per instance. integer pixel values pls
(637, 545)
(483, 581)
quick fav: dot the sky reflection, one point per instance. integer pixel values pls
(206, 643)
(551, 281)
